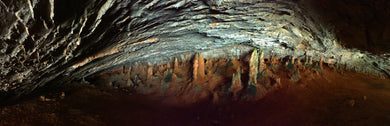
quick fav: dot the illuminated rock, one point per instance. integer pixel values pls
(45, 43)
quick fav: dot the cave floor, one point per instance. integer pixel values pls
(333, 99)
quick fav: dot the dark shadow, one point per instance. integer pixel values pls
(361, 24)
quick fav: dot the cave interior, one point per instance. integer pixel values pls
(194, 62)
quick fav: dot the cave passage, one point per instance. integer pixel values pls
(194, 62)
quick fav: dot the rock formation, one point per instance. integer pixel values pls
(262, 62)
(195, 67)
(46, 43)
(150, 74)
(236, 83)
(201, 66)
(253, 68)
(175, 65)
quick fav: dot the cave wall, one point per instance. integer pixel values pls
(54, 41)
(361, 24)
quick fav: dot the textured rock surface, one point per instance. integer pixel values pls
(62, 40)
(359, 24)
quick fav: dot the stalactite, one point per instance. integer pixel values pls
(275, 64)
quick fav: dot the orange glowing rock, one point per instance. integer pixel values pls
(262, 62)
(201, 66)
(176, 65)
(253, 67)
(195, 68)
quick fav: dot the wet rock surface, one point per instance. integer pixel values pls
(49, 42)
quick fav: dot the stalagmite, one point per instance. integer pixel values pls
(176, 65)
(201, 73)
(195, 68)
(124, 74)
(150, 74)
(168, 65)
(236, 83)
(307, 64)
(253, 68)
(311, 61)
(129, 73)
(292, 59)
(161, 67)
(290, 65)
(262, 62)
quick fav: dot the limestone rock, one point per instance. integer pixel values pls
(236, 83)
(176, 65)
(150, 74)
(262, 62)
(195, 67)
(201, 67)
(253, 67)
